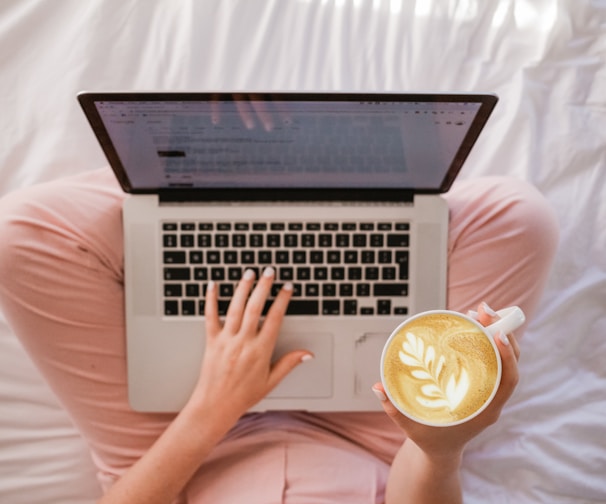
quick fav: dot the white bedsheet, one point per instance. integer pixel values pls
(546, 59)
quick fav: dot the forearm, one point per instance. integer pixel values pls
(417, 478)
(162, 473)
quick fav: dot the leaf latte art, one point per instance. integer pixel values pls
(439, 389)
(440, 368)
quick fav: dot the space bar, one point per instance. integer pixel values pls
(303, 307)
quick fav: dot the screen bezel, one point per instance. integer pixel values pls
(88, 100)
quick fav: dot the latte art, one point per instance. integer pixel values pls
(440, 368)
(439, 390)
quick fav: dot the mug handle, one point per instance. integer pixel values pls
(511, 318)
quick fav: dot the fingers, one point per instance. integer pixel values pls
(237, 305)
(509, 359)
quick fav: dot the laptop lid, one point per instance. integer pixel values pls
(286, 146)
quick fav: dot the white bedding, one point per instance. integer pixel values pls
(546, 59)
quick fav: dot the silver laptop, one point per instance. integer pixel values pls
(340, 193)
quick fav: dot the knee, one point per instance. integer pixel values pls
(505, 210)
(526, 214)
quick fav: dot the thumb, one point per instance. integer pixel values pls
(285, 364)
(392, 412)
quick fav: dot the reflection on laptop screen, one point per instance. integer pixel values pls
(290, 144)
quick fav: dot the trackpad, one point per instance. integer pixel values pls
(312, 378)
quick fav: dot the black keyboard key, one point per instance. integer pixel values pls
(330, 307)
(320, 273)
(400, 310)
(342, 240)
(390, 289)
(348, 226)
(337, 274)
(204, 240)
(333, 257)
(325, 240)
(187, 240)
(299, 257)
(402, 226)
(354, 273)
(241, 226)
(384, 307)
(255, 240)
(368, 257)
(226, 290)
(174, 257)
(247, 257)
(295, 226)
(169, 226)
(265, 257)
(303, 273)
(291, 240)
(188, 307)
(366, 310)
(397, 240)
(286, 273)
(173, 290)
(217, 274)
(329, 290)
(316, 257)
(363, 290)
(303, 307)
(169, 240)
(385, 256)
(238, 240)
(359, 240)
(273, 240)
(350, 257)
(230, 257)
(388, 273)
(221, 240)
(201, 274)
(350, 307)
(308, 240)
(376, 240)
(259, 226)
(234, 274)
(223, 226)
(312, 290)
(213, 257)
(177, 274)
(346, 290)
(195, 257)
(192, 290)
(282, 257)
(371, 273)
(171, 307)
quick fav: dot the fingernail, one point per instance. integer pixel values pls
(472, 314)
(307, 357)
(268, 272)
(210, 286)
(380, 395)
(503, 337)
(288, 286)
(488, 310)
(248, 275)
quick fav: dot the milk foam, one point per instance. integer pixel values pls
(440, 368)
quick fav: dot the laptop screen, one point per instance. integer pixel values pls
(177, 141)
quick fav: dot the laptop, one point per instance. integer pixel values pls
(339, 192)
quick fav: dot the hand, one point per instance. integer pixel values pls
(237, 371)
(450, 441)
(255, 109)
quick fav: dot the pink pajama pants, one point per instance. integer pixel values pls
(61, 269)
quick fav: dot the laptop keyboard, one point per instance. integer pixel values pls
(337, 268)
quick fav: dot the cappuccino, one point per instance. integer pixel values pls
(441, 368)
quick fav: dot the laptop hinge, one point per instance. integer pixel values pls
(269, 195)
